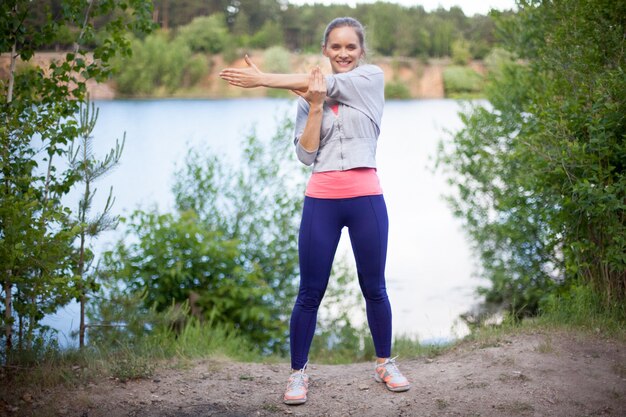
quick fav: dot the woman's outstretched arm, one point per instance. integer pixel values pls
(253, 77)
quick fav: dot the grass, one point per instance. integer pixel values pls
(581, 308)
(123, 362)
(360, 348)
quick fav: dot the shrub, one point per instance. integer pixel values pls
(207, 34)
(159, 66)
(270, 34)
(461, 52)
(459, 80)
(396, 90)
(539, 174)
(277, 60)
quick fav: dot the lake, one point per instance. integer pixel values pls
(429, 266)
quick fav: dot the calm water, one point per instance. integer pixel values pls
(429, 266)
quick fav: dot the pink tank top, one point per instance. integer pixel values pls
(355, 182)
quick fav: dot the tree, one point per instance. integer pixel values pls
(36, 231)
(89, 169)
(383, 21)
(540, 176)
(206, 34)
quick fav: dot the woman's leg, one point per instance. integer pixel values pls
(320, 230)
(368, 225)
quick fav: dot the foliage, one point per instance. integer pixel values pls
(461, 80)
(277, 60)
(539, 174)
(270, 34)
(157, 67)
(392, 29)
(396, 90)
(207, 34)
(89, 169)
(231, 241)
(461, 52)
(578, 305)
(36, 230)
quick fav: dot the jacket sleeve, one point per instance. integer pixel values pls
(363, 88)
(306, 157)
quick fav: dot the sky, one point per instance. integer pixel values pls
(470, 7)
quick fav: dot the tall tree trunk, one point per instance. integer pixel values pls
(8, 277)
(8, 313)
(166, 15)
(83, 297)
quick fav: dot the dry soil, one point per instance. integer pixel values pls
(530, 374)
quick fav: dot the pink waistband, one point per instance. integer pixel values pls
(344, 184)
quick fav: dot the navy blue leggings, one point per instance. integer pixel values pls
(320, 230)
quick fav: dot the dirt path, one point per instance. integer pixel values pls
(533, 374)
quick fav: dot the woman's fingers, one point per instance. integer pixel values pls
(318, 82)
(249, 62)
(242, 77)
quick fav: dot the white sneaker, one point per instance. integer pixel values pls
(389, 373)
(297, 388)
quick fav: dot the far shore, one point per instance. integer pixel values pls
(422, 79)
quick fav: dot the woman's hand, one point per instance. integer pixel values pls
(316, 92)
(243, 77)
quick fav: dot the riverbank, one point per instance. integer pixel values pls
(540, 372)
(422, 80)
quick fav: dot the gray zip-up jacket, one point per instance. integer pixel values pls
(347, 140)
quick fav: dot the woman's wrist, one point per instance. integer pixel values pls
(263, 80)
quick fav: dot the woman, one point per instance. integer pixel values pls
(337, 127)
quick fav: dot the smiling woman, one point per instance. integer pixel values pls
(337, 129)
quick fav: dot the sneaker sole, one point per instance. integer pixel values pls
(394, 389)
(295, 402)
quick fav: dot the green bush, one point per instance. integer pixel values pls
(396, 90)
(197, 68)
(207, 34)
(270, 34)
(579, 305)
(277, 59)
(539, 174)
(159, 66)
(460, 80)
(461, 54)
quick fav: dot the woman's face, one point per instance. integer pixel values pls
(343, 49)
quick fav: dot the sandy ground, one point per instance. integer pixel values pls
(530, 374)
